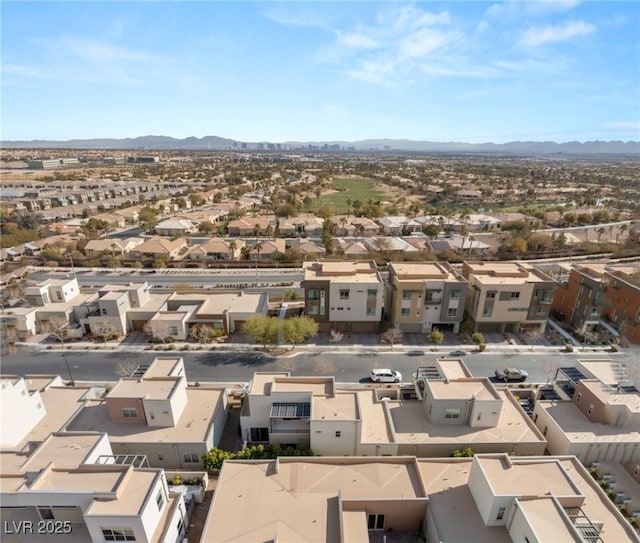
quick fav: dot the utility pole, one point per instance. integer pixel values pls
(69, 370)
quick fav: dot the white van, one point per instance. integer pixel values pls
(385, 376)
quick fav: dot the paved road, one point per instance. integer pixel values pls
(220, 366)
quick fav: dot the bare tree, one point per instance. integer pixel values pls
(336, 337)
(392, 336)
(57, 327)
(9, 338)
(126, 367)
(202, 333)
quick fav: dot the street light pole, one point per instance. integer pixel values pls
(69, 370)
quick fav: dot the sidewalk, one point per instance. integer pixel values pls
(286, 350)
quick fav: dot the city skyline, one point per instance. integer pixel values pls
(321, 71)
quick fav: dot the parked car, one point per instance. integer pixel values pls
(385, 376)
(511, 374)
(458, 353)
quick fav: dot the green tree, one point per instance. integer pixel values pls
(206, 227)
(261, 329)
(298, 329)
(478, 339)
(467, 452)
(436, 337)
(147, 218)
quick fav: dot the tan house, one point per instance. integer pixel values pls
(490, 498)
(450, 410)
(160, 247)
(156, 415)
(250, 226)
(111, 246)
(216, 249)
(425, 295)
(507, 296)
(176, 227)
(73, 488)
(591, 413)
(267, 249)
(347, 296)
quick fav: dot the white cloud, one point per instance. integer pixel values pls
(98, 51)
(624, 125)
(356, 40)
(517, 8)
(556, 33)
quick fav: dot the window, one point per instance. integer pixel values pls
(118, 534)
(173, 330)
(104, 311)
(452, 413)
(344, 293)
(312, 294)
(500, 513)
(375, 522)
(405, 311)
(514, 295)
(452, 312)
(590, 409)
(191, 458)
(454, 295)
(406, 294)
(487, 311)
(259, 434)
(180, 527)
(371, 311)
(160, 500)
(338, 433)
(129, 412)
(578, 397)
(372, 294)
(491, 295)
(312, 310)
(546, 429)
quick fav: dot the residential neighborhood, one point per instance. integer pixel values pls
(166, 261)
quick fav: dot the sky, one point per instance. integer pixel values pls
(479, 71)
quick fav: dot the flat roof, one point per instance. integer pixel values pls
(261, 381)
(193, 425)
(548, 520)
(131, 497)
(64, 450)
(412, 425)
(579, 429)
(77, 480)
(151, 389)
(162, 366)
(341, 406)
(533, 478)
(416, 271)
(317, 386)
(60, 404)
(375, 425)
(463, 388)
(611, 396)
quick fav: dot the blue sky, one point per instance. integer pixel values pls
(318, 71)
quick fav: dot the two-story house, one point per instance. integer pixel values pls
(346, 296)
(507, 296)
(425, 295)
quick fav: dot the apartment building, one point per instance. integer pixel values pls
(72, 488)
(425, 295)
(492, 498)
(507, 296)
(591, 412)
(346, 296)
(622, 302)
(446, 410)
(578, 302)
(155, 414)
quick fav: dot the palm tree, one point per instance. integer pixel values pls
(600, 231)
(232, 247)
(622, 230)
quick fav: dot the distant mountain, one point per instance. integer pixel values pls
(215, 143)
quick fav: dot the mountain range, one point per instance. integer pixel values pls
(215, 143)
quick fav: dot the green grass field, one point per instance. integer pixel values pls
(351, 188)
